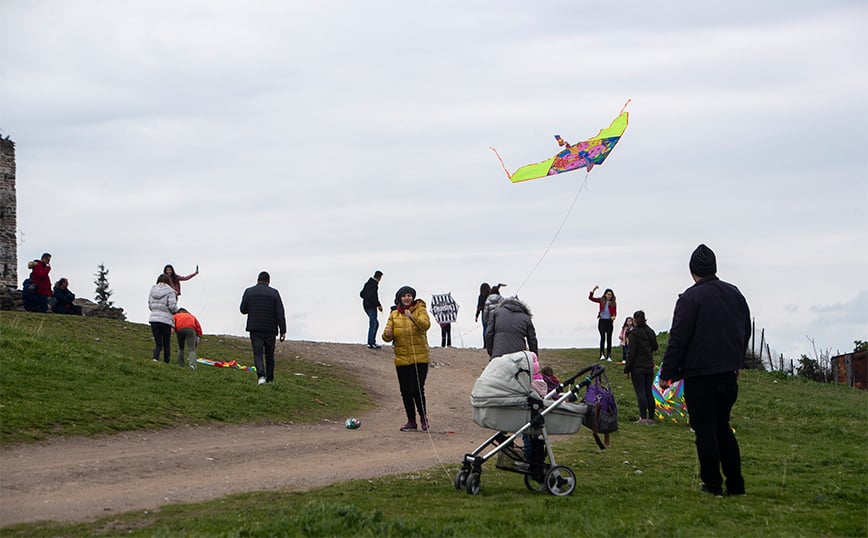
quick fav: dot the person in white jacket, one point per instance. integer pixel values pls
(163, 303)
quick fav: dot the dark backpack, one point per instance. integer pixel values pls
(602, 408)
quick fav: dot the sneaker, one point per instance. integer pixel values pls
(608, 359)
(192, 366)
(648, 421)
(640, 421)
(424, 424)
(602, 357)
(409, 427)
(261, 381)
(156, 360)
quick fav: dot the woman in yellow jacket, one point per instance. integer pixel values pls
(408, 325)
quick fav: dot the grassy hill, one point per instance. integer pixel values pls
(804, 448)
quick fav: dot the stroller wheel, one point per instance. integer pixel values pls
(473, 484)
(461, 479)
(560, 481)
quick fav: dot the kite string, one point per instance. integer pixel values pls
(582, 186)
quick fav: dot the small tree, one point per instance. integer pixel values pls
(859, 345)
(102, 287)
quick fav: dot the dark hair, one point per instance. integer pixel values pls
(164, 279)
(44, 255)
(639, 318)
(61, 281)
(547, 370)
(378, 274)
(264, 277)
(485, 289)
(184, 310)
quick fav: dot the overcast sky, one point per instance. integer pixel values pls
(321, 141)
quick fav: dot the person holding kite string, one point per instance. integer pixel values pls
(710, 332)
(605, 320)
(407, 326)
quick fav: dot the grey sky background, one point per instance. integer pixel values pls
(324, 140)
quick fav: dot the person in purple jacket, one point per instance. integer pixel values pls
(707, 345)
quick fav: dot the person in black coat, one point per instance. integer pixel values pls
(371, 305)
(265, 318)
(708, 341)
(639, 366)
(63, 299)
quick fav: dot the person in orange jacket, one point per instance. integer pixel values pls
(189, 332)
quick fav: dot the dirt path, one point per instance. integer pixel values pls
(80, 479)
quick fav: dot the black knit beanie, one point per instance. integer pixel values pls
(702, 262)
(403, 290)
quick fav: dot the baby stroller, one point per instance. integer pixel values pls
(503, 400)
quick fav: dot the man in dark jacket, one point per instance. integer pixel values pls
(510, 329)
(707, 344)
(265, 318)
(371, 304)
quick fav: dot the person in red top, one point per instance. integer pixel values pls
(176, 279)
(606, 320)
(39, 270)
(189, 332)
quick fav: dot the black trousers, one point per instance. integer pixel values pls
(709, 402)
(605, 328)
(162, 339)
(411, 380)
(263, 354)
(642, 381)
(445, 334)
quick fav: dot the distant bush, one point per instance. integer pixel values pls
(812, 369)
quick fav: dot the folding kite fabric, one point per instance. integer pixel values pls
(226, 364)
(444, 308)
(670, 404)
(585, 154)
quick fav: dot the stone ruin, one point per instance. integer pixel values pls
(10, 294)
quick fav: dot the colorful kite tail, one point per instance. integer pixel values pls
(508, 175)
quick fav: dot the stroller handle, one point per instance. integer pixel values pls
(595, 369)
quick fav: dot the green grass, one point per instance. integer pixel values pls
(804, 449)
(70, 375)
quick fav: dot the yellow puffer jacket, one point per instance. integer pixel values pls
(410, 336)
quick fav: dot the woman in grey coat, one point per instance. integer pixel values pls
(510, 329)
(163, 303)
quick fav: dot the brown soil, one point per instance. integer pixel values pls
(79, 479)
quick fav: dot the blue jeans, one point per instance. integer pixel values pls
(373, 325)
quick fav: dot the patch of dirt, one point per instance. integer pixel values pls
(80, 479)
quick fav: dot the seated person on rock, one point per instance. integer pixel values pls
(63, 299)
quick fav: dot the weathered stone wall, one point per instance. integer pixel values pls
(8, 219)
